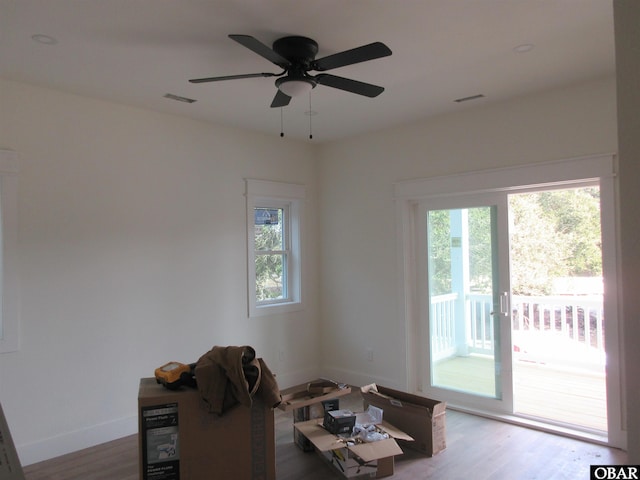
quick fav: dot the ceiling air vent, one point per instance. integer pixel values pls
(466, 99)
(178, 98)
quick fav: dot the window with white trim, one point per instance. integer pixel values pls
(9, 294)
(274, 226)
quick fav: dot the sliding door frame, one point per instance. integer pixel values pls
(565, 173)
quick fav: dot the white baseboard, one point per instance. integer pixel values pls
(286, 380)
(356, 378)
(68, 442)
(77, 440)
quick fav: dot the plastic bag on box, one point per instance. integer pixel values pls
(373, 416)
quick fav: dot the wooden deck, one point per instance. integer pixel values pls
(570, 396)
(576, 397)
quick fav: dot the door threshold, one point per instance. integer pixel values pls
(575, 432)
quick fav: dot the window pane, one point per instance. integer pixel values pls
(271, 277)
(269, 228)
(464, 338)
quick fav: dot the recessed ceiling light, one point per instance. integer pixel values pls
(44, 39)
(524, 48)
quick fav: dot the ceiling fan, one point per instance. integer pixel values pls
(296, 56)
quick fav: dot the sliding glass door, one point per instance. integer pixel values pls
(513, 304)
(496, 299)
(465, 306)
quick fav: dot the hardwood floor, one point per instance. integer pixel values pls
(477, 448)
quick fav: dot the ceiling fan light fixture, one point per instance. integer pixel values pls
(294, 87)
(296, 56)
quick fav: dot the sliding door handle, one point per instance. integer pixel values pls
(504, 304)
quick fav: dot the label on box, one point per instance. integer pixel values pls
(258, 441)
(160, 447)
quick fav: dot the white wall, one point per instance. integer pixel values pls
(359, 299)
(132, 253)
(627, 18)
(131, 236)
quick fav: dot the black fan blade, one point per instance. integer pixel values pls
(233, 77)
(261, 49)
(349, 57)
(280, 100)
(349, 85)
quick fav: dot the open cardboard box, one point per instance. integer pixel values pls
(374, 459)
(422, 418)
(311, 400)
(311, 393)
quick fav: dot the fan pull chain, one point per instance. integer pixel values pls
(310, 115)
(281, 122)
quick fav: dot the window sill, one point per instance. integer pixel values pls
(275, 309)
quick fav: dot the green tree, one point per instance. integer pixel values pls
(480, 258)
(538, 250)
(439, 234)
(269, 266)
(576, 216)
(554, 234)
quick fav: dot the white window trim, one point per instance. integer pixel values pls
(267, 193)
(9, 293)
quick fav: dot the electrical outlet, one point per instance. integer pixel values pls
(370, 354)
(281, 356)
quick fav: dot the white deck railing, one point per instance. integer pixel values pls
(573, 324)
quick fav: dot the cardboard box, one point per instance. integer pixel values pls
(10, 468)
(326, 406)
(375, 459)
(309, 412)
(310, 394)
(180, 439)
(351, 466)
(422, 418)
(310, 400)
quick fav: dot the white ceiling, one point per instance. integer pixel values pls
(136, 51)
